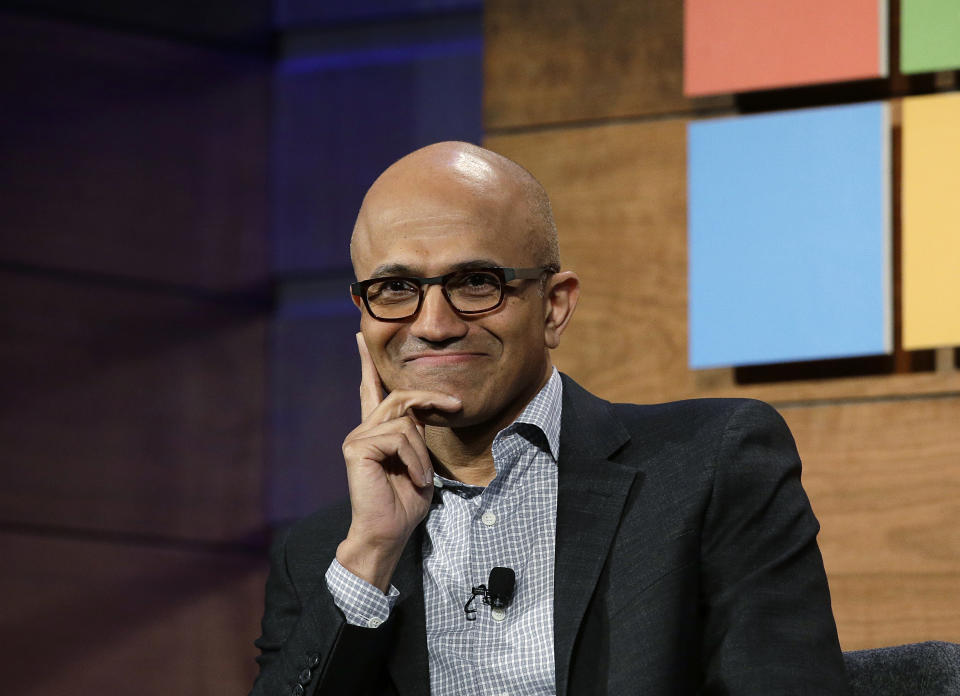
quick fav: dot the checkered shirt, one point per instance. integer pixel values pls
(470, 530)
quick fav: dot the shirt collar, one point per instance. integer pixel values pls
(544, 412)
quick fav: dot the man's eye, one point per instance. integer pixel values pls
(478, 283)
(393, 290)
(398, 286)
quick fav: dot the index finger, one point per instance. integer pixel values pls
(371, 390)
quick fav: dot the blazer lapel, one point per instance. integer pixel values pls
(591, 492)
(408, 665)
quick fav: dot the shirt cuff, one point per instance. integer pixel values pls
(361, 603)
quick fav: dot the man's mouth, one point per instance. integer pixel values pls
(439, 359)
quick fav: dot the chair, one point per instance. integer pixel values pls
(919, 669)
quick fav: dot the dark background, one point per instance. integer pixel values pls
(178, 183)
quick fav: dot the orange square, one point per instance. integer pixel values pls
(746, 45)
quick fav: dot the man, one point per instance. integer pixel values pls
(657, 549)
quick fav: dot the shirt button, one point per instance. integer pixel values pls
(373, 622)
(498, 614)
(488, 518)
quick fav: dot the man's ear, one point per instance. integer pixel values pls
(357, 301)
(560, 299)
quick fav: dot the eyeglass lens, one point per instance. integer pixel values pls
(470, 291)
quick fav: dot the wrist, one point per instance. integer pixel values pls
(371, 562)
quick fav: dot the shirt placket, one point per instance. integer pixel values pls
(491, 531)
(460, 642)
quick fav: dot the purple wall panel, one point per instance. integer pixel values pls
(132, 156)
(315, 399)
(294, 12)
(343, 115)
(130, 412)
(133, 185)
(155, 415)
(160, 619)
(131, 161)
(221, 21)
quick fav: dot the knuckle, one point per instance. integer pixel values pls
(353, 435)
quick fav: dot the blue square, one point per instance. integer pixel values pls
(789, 236)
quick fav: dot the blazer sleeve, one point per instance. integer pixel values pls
(306, 645)
(768, 626)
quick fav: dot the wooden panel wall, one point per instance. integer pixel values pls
(884, 478)
(587, 95)
(574, 60)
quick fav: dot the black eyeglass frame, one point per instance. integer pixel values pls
(504, 273)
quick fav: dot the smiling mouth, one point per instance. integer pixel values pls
(441, 358)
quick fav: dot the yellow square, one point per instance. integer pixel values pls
(930, 262)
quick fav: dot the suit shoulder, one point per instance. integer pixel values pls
(697, 415)
(697, 424)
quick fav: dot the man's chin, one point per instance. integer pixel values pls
(452, 382)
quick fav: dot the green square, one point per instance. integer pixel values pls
(929, 35)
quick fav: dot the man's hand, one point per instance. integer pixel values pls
(389, 474)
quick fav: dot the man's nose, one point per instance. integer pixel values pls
(437, 321)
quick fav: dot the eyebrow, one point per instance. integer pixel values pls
(399, 269)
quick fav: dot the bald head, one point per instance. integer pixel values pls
(485, 184)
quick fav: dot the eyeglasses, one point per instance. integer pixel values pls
(471, 291)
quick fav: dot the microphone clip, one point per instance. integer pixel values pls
(501, 585)
(478, 591)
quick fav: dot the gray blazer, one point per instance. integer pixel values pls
(686, 563)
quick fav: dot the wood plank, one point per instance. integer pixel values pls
(130, 411)
(874, 611)
(568, 60)
(88, 617)
(720, 383)
(884, 479)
